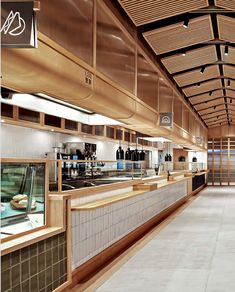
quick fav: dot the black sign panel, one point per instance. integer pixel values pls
(18, 26)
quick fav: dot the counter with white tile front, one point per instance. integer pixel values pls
(99, 223)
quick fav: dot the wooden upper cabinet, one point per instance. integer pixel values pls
(147, 82)
(178, 111)
(115, 52)
(70, 24)
(185, 123)
(165, 97)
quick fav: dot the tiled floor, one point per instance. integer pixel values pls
(195, 252)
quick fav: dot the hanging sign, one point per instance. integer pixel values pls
(166, 119)
(18, 25)
(199, 140)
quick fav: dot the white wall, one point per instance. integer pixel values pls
(24, 142)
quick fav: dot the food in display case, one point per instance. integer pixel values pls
(21, 202)
(22, 194)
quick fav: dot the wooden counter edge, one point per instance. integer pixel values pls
(83, 192)
(110, 200)
(25, 240)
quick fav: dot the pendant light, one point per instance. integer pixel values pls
(166, 156)
(142, 153)
(128, 151)
(120, 152)
(135, 153)
(169, 155)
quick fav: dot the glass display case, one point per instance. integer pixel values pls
(77, 174)
(22, 197)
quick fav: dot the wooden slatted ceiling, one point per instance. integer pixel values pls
(209, 104)
(175, 36)
(213, 111)
(220, 115)
(230, 58)
(226, 4)
(217, 123)
(226, 27)
(196, 76)
(206, 97)
(230, 83)
(231, 114)
(231, 106)
(193, 58)
(146, 11)
(229, 71)
(230, 93)
(203, 87)
(217, 120)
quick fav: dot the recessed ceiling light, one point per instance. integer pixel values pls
(186, 22)
(2, 121)
(202, 69)
(52, 130)
(226, 50)
(183, 53)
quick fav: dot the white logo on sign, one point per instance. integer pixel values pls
(14, 24)
(166, 120)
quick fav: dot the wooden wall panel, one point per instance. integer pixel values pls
(178, 107)
(185, 123)
(165, 98)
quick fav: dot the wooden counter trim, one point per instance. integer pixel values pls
(94, 265)
(108, 201)
(23, 160)
(83, 192)
(114, 199)
(33, 237)
(168, 183)
(154, 178)
(200, 173)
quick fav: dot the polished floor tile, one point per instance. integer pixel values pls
(195, 252)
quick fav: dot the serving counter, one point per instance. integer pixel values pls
(86, 227)
(107, 222)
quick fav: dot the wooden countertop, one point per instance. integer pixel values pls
(113, 199)
(108, 201)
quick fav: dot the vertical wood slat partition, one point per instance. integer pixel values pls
(221, 161)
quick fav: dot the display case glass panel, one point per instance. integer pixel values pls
(22, 197)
